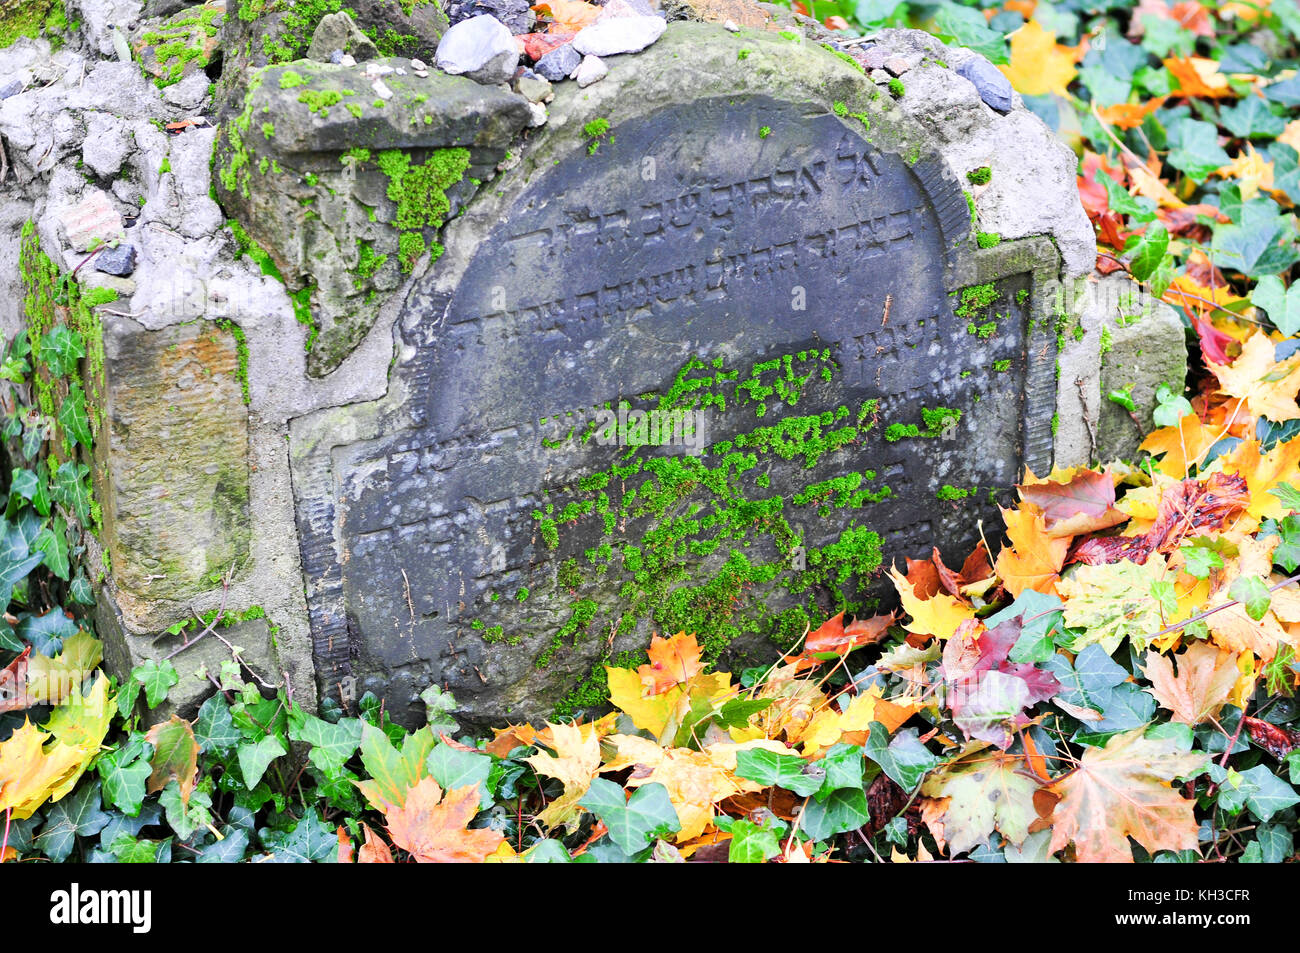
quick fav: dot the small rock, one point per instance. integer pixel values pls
(381, 89)
(591, 70)
(731, 26)
(480, 48)
(515, 14)
(619, 35)
(336, 57)
(418, 65)
(879, 76)
(374, 70)
(898, 65)
(347, 60)
(91, 218)
(558, 63)
(11, 88)
(618, 8)
(338, 31)
(532, 87)
(118, 261)
(106, 146)
(538, 115)
(993, 87)
(875, 57)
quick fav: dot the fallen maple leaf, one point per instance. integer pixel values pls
(1123, 791)
(433, 829)
(1263, 473)
(374, 850)
(1198, 76)
(1182, 446)
(695, 782)
(940, 615)
(1084, 504)
(975, 794)
(1204, 681)
(30, 770)
(567, 16)
(1038, 64)
(1034, 559)
(672, 661)
(1268, 387)
(574, 764)
(1112, 602)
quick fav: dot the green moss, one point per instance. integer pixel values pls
(844, 57)
(1002, 366)
(896, 88)
(980, 176)
(952, 494)
(166, 165)
(970, 203)
(1107, 341)
(743, 54)
(420, 193)
(289, 79)
(1056, 423)
(595, 131)
(764, 131)
(241, 350)
(320, 100)
(975, 299)
(33, 18)
(988, 239)
(94, 297)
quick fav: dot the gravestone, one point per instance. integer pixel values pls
(713, 352)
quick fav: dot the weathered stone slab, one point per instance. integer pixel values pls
(172, 461)
(779, 258)
(346, 190)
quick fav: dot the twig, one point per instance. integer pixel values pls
(1087, 423)
(4, 161)
(221, 611)
(1209, 612)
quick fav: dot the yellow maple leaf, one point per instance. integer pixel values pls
(574, 764)
(1263, 472)
(1198, 76)
(1251, 172)
(648, 714)
(1291, 135)
(695, 783)
(30, 771)
(1205, 678)
(1038, 64)
(1268, 387)
(1182, 446)
(1232, 628)
(938, 616)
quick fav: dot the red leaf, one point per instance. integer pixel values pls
(1213, 341)
(1277, 741)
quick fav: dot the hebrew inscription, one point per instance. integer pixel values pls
(701, 378)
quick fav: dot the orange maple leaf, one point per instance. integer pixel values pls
(1204, 681)
(1263, 472)
(567, 16)
(1034, 559)
(1123, 791)
(1198, 76)
(434, 829)
(672, 662)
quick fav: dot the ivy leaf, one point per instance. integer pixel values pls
(61, 349)
(1252, 119)
(633, 823)
(1199, 559)
(1261, 244)
(157, 678)
(1147, 251)
(904, 758)
(752, 843)
(255, 758)
(123, 772)
(331, 745)
(1253, 594)
(78, 813)
(214, 728)
(843, 810)
(772, 769)
(1281, 303)
(73, 418)
(70, 488)
(229, 850)
(1197, 152)
(53, 544)
(1257, 788)
(186, 817)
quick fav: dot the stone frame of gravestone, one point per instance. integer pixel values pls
(412, 624)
